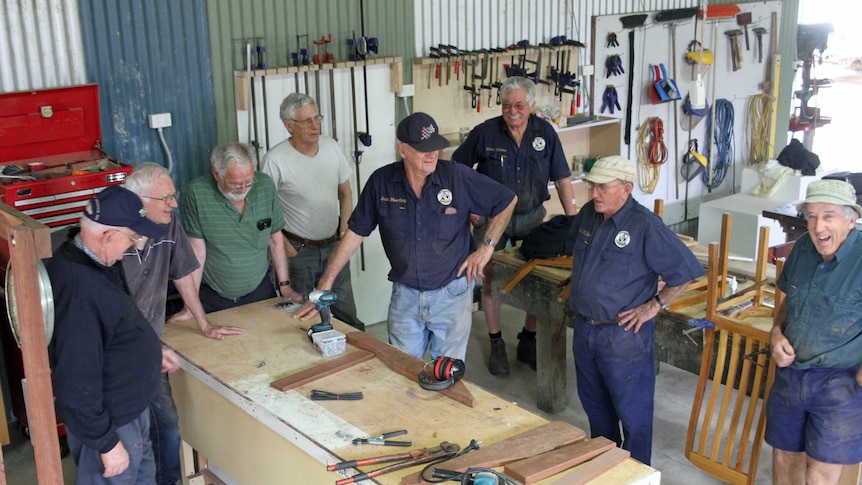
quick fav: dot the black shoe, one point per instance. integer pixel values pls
(527, 349)
(498, 361)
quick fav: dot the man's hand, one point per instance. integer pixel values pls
(289, 294)
(636, 316)
(307, 312)
(115, 461)
(782, 351)
(859, 376)
(217, 332)
(474, 219)
(290, 250)
(475, 263)
(170, 361)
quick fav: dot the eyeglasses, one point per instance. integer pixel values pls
(517, 106)
(166, 199)
(134, 237)
(314, 120)
(237, 186)
(602, 188)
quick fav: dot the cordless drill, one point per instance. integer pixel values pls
(322, 299)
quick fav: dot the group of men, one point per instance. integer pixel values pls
(290, 229)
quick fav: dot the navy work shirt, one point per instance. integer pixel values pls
(426, 238)
(525, 169)
(617, 262)
(824, 304)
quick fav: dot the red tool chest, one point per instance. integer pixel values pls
(50, 153)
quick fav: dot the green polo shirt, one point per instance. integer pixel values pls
(237, 244)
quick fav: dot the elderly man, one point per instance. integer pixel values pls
(312, 176)
(149, 265)
(522, 152)
(814, 412)
(233, 219)
(105, 356)
(620, 250)
(423, 208)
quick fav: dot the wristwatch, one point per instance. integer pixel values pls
(663, 305)
(283, 283)
(488, 241)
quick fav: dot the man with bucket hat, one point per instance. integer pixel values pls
(621, 249)
(814, 411)
(105, 356)
(422, 206)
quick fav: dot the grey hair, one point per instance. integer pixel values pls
(849, 212)
(239, 154)
(518, 82)
(293, 102)
(143, 177)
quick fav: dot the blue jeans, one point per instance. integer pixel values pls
(441, 318)
(616, 383)
(135, 437)
(165, 434)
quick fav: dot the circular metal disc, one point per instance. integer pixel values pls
(46, 295)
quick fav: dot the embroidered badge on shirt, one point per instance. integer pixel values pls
(444, 196)
(538, 143)
(623, 238)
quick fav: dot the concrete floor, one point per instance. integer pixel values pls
(674, 394)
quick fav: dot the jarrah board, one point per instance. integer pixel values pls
(546, 437)
(539, 467)
(406, 365)
(594, 467)
(322, 370)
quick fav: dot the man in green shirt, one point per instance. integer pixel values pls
(233, 219)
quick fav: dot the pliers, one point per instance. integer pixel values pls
(381, 439)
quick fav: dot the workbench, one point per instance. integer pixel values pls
(253, 433)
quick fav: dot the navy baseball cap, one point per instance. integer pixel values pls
(119, 207)
(421, 132)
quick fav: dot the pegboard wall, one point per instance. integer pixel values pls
(657, 43)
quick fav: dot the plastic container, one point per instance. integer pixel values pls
(329, 343)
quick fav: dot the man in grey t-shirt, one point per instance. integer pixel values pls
(312, 177)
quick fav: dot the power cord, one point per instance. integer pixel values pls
(723, 150)
(474, 445)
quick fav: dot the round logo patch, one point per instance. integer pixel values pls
(623, 238)
(444, 196)
(538, 143)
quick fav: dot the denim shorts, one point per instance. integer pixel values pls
(816, 411)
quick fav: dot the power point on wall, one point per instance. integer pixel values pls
(407, 91)
(159, 120)
(587, 70)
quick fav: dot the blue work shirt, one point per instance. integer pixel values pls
(824, 304)
(426, 238)
(527, 169)
(617, 262)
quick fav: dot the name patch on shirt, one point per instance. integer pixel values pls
(444, 196)
(538, 143)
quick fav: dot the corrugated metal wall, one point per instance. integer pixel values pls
(152, 57)
(279, 22)
(40, 45)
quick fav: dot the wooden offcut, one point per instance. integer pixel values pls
(594, 467)
(539, 467)
(322, 370)
(406, 365)
(538, 440)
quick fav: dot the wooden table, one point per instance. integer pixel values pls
(253, 433)
(538, 294)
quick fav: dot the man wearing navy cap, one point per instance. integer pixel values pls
(105, 356)
(423, 208)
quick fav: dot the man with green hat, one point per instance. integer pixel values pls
(814, 411)
(620, 250)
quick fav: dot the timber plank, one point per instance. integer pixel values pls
(594, 467)
(321, 370)
(539, 467)
(544, 438)
(406, 365)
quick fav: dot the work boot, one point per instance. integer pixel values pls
(498, 361)
(527, 349)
